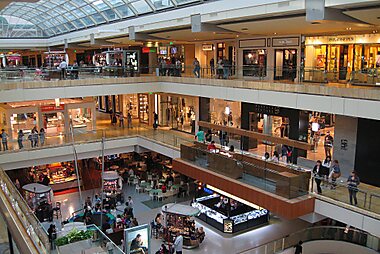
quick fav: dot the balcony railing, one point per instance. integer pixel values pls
(277, 178)
(369, 77)
(318, 233)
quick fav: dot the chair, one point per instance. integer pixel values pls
(130, 180)
(138, 188)
(152, 195)
(150, 177)
(135, 181)
(57, 210)
(148, 188)
(160, 195)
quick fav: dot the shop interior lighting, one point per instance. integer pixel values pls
(233, 197)
(57, 102)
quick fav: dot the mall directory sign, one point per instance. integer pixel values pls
(137, 240)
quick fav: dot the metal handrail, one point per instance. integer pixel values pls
(311, 234)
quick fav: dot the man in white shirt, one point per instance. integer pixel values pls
(63, 67)
(178, 243)
(130, 202)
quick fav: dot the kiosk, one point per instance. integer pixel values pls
(180, 218)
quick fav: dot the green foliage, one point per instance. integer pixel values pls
(73, 236)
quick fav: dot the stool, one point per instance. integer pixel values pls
(57, 210)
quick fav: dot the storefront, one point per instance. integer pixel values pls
(228, 213)
(270, 57)
(334, 58)
(225, 112)
(54, 116)
(178, 112)
(61, 176)
(110, 103)
(52, 59)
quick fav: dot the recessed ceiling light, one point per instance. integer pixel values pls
(244, 29)
(374, 31)
(237, 35)
(274, 33)
(348, 28)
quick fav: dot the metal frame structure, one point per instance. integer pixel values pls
(48, 18)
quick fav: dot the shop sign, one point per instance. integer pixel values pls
(346, 39)
(207, 47)
(265, 109)
(228, 226)
(252, 43)
(149, 50)
(48, 108)
(279, 42)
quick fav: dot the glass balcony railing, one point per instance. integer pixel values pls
(367, 197)
(304, 75)
(276, 178)
(36, 232)
(349, 235)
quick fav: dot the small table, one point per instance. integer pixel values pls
(114, 167)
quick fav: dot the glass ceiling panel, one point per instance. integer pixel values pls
(125, 11)
(115, 3)
(53, 17)
(141, 6)
(161, 4)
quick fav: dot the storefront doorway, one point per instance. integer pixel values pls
(178, 113)
(285, 64)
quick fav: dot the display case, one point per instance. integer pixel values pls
(62, 175)
(180, 218)
(229, 215)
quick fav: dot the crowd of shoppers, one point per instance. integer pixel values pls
(36, 138)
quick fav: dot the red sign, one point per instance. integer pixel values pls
(145, 49)
(48, 108)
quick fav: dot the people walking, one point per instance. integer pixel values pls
(335, 174)
(4, 139)
(34, 137)
(318, 176)
(178, 243)
(225, 68)
(197, 68)
(298, 248)
(121, 120)
(129, 120)
(42, 136)
(353, 182)
(155, 120)
(329, 142)
(212, 67)
(20, 138)
(63, 67)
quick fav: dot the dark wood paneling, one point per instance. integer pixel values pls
(257, 135)
(289, 209)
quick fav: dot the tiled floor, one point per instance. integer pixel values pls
(215, 242)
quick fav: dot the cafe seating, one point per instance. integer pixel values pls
(160, 195)
(152, 195)
(138, 188)
(131, 180)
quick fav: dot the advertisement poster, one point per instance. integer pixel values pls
(137, 240)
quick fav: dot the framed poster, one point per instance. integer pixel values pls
(137, 239)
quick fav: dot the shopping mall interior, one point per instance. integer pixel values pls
(189, 126)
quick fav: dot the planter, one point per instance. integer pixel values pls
(74, 248)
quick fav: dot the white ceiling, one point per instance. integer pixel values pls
(296, 25)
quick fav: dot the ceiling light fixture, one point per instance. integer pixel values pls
(348, 28)
(275, 33)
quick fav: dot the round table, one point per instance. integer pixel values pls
(114, 167)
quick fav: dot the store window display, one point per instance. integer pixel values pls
(178, 113)
(225, 112)
(254, 62)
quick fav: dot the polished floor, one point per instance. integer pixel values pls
(215, 241)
